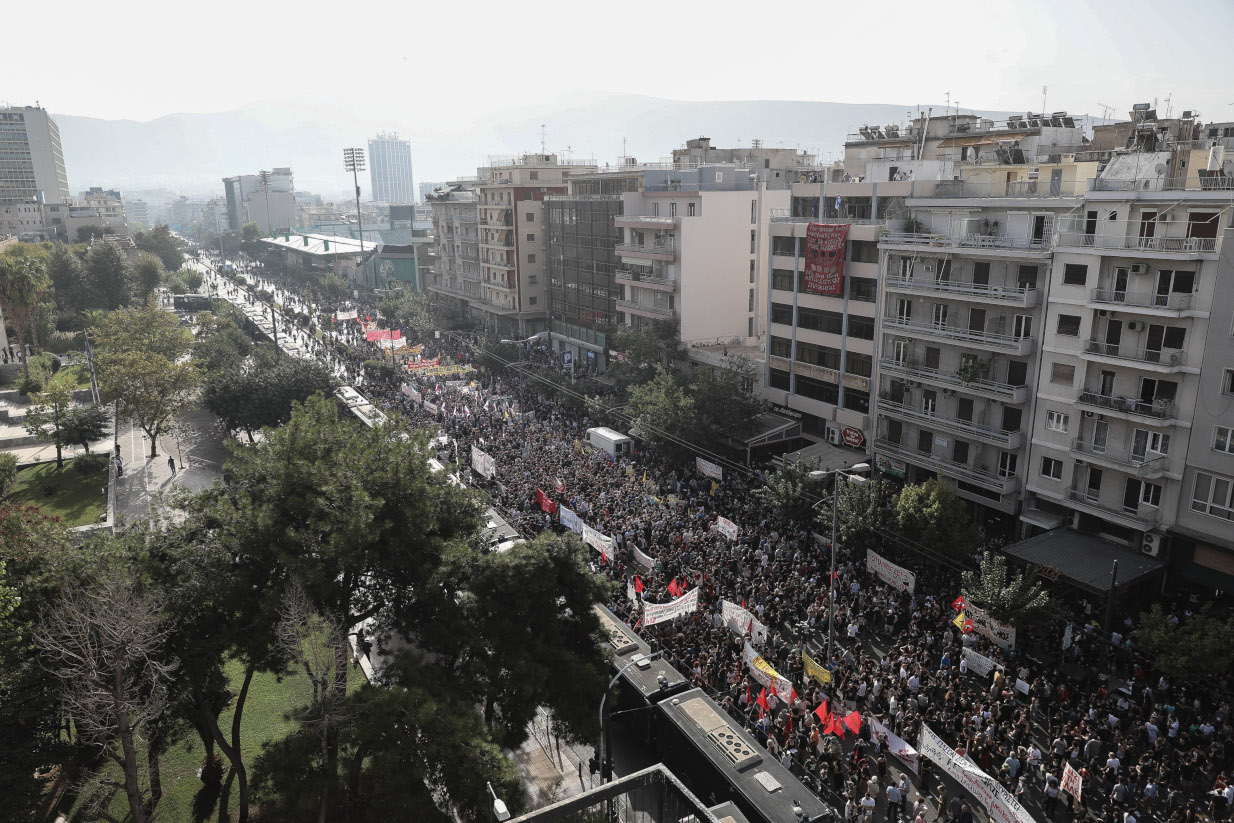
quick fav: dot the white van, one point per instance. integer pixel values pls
(613, 443)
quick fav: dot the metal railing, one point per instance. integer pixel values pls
(1082, 497)
(1142, 465)
(740, 184)
(978, 337)
(639, 248)
(660, 311)
(648, 219)
(1012, 188)
(1003, 391)
(1158, 409)
(974, 241)
(974, 474)
(634, 278)
(786, 216)
(1163, 357)
(1213, 183)
(1185, 245)
(1144, 299)
(1011, 295)
(932, 418)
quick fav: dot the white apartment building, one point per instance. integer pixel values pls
(390, 175)
(271, 207)
(694, 249)
(31, 160)
(454, 277)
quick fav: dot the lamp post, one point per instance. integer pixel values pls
(499, 810)
(835, 527)
(353, 161)
(605, 769)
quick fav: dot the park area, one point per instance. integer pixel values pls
(78, 499)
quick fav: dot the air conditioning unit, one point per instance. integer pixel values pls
(1139, 268)
(1103, 312)
(1151, 543)
(1088, 413)
(834, 437)
(1135, 325)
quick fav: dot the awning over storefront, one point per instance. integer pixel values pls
(828, 457)
(1084, 560)
(765, 429)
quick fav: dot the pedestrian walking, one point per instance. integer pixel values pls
(171, 464)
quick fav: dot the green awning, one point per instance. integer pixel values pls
(1208, 578)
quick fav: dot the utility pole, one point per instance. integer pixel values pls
(353, 161)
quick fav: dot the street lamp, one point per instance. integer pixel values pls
(835, 523)
(499, 808)
(353, 161)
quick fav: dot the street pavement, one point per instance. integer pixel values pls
(199, 454)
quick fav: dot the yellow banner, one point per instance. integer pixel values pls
(819, 673)
(437, 370)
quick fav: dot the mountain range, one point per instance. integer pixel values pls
(191, 153)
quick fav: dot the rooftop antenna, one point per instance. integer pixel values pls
(1106, 110)
(543, 139)
(1044, 89)
(948, 96)
(1168, 98)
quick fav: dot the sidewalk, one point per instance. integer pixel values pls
(199, 462)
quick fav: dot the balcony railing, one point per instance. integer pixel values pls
(1178, 245)
(1018, 296)
(635, 279)
(1214, 183)
(972, 337)
(982, 388)
(1157, 410)
(989, 434)
(1143, 299)
(1161, 357)
(969, 241)
(648, 221)
(658, 311)
(979, 475)
(1092, 501)
(1140, 465)
(784, 216)
(651, 250)
(1012, 188)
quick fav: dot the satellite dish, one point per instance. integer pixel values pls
(1160, 169)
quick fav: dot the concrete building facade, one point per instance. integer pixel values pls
(454, 278)
(271, 207)
(31, 159)
(390, 173)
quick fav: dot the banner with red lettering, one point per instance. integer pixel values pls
(1072, 783)
(424, 364)
(825, 247)
(545, 504)
(383, 334)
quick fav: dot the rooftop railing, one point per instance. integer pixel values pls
(1213, 183)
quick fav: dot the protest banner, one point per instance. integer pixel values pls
(600, 542)
(762, 671)
(546, 504)
(423, 365)
(824, 264)
(1072, 783)
(431, 408)
(1000, 633)
(903, 752)
(483, 463)
(654, 613)
(410, 392)
(383, 334)
(897, 576)
(1000, 804)
(812, 669)
(1021, 686)
(742, 621)
(708, 468)
(350, 314)
(643, 560)
(571, 520)
(726, 527)
(979, 664)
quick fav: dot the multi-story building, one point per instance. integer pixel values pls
(693, 247)
(514, 299)
(776, 167)
(31, 160)
(389, 158)
(454, 277)
(138, 211)
(271, 206)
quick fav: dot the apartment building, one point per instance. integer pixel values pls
(776, 167)
(454, 278)
(271, 205)
(693, 246)
(31, 159)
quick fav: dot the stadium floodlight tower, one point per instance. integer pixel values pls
(353, 161)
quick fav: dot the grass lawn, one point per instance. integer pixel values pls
(79, 500)
(74, 377)
(264, 720)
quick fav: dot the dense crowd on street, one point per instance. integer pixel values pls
(1146, 747)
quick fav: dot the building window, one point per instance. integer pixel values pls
(749, 327)
(1056, 421)
(531, 238)
(531, 217)
(857, 400)
(781, 347)
(818, 390)
(655, 209)
(782, 313)
(1223, 439)
(1051, 468)
(1227, 382)
(535, 175)
(531, 258)
(689, 209)
(861, 327)
(863, 289)
(1069, 325)
(751, 271)
(779, 380)
(1212, 495)
(781, 280)
(831, 322)
(751, 300)
(752, 235)
(784, 245)
(1062, 374)
(1075, 274)
(531, 301)
(864, 251)
(753, 212)
(672, 209)
(1150, 494)
(861, 365)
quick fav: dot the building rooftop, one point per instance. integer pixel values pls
(322, 245)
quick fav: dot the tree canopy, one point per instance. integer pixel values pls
(1006, 598)
(932, 515)
(1185, 646)
(163, 244)
(249, 397)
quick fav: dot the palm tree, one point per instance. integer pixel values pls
(22, 283)
(1006, 599)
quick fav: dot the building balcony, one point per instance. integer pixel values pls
(628, 278)
(965, 428)
(652, 222)
(1155, 244)
(968, 291)
(1172, 304)
(977, 475)
(498, 264)
(657, 312)
(1031, 246)
(1160, 412)
(493, 223)
(970, 338)
(472, 276)
(498, 244)
(989, 389)
(784, 216)
(649, 252)
(1144, 517)
(467, 218)
(979, 187)
(1160, 360)
(1121, 460)
(1215, 183)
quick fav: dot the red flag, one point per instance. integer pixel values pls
(837, 728)
(545, 504)
(559, 485)
(836, 575)
(793, 697)
(762, 699)
(743, 602)
(958, 603)
(673, 589)
(638, 584)
(853, 722)
(685, 582)
(750, 627)
(968, 625)
(823, 714)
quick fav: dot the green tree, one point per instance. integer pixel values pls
(192, 279)
(724, 400)
(150, 389)
(1187, 646)
(8, 471)
(87, 233)
(143, 329)
(1008, 599)
(791, 492)
(865, 516)
(22, 283)
(109, 275)
(45, 419)
(264, 393)
(657, 343)
(162, 243)
(85, 425)
(68, 276)
(148, 274)
(251, 232)
(932, 515)
(334, 288)
(663, 412)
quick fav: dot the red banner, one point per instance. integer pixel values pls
(424, 364)
(545, 504)
(825, 246)
(383, 334)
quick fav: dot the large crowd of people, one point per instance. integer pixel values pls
(1146, 747)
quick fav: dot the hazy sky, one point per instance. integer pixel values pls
(464, 60)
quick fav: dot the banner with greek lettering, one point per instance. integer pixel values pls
(762, 671)
(903, 752)
(345, 315)
(431, 408)
(412, 393)
(570, 520)
(708, 468)
(1000, 804)
(897, 576)
(979, 664)
(483, 463)
(600, 542)
(654, 613)
(643, 560)
(999, 633)
(726, 527)
(820, 673)
(741, 621)
(1072, 783)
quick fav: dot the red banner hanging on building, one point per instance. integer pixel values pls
(825, 246)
